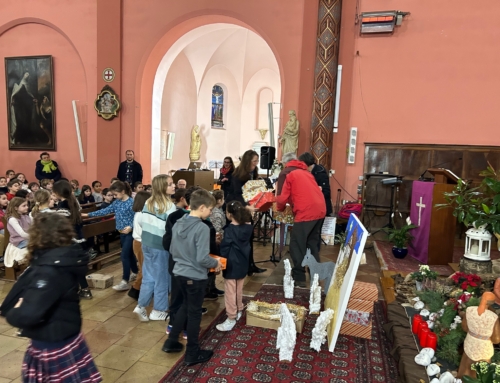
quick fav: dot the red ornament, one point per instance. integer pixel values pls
(424, 333)
(416, 321)
(431, 341)
(421, 326)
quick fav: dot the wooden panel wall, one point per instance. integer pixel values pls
(410, 161)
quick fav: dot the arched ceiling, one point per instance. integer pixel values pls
(240, 50)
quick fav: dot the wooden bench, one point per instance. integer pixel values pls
(11, 273)
(93, 228)
(89, 207)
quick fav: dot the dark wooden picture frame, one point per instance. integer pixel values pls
(29, 84)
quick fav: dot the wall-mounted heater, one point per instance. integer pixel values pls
(381, 22)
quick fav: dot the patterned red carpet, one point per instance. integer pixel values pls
(410, 264)
(248, 354)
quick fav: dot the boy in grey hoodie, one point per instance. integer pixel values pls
(190, 251)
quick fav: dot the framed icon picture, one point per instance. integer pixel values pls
(30, 103)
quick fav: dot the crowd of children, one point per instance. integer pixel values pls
(160, 230)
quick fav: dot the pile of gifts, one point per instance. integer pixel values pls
(357, 318)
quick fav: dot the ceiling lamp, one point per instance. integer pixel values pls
(381, 22)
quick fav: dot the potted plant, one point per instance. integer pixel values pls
(424, 273)
(480, 205)
(400, 238)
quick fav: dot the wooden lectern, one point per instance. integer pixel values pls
(442, 229)
(201, 178)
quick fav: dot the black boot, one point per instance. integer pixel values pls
(202, 357)
(171, 345)
(254, 270)
(133, 293)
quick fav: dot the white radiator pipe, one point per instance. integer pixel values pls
(78, 135)
(337, 97)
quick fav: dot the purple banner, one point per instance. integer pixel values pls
(420, 215)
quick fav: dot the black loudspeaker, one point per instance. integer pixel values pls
(267, 156)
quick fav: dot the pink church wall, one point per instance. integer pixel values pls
(430, 82)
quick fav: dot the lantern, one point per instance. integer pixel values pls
(478, 244)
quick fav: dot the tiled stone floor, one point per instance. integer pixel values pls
(126, 350)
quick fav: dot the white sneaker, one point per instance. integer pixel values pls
(133, 277)
(227, 325)
(158, 315)
(122, 286)
(238, 316)
(141, 313)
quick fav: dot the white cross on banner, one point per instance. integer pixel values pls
(421, 211)
(420, 206)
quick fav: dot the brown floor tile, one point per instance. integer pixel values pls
(158, 357)
(88, 325)
(100, 341)
(117, 300)
(127, 312)
(5, 380)
(9, 344)
(118, 325)
(140, 339)
(11, 364)
(119, 357)
(153, 325)
(143, 372)
(109, 375)
(99, 313)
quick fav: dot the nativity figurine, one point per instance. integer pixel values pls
(315, 296)
(318, 335)
(288, 282)
(287, 334)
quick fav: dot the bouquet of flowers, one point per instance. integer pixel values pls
(467, 282)
(485, 372)
(424, 272)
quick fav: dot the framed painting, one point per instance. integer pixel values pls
(30, 103)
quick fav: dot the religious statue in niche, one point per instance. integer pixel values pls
(195, 147)
(290, 138)
(107, 103)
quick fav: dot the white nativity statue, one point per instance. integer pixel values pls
(288, 282)
(287, 334)
(318, 336)
(315, 296)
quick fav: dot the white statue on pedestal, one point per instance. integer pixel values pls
(318, 336)
(315, 296)
(288, 283)
(287, 334)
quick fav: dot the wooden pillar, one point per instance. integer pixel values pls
(109, 53)
(325, 80)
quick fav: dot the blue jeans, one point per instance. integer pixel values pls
(129, 262)
(23, 244)
(155, 278)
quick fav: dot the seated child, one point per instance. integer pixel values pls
(18, 222)
(10, 175)
(113, 180)
(43, 203)
(138, 186)
(33, 186)
(76, 190)
(3, 185)
(108, 198)
(22, 178)
(235, 247)
(4, 202)
(86, 195)
(47, 184)
(96, 187)
(190, 249)
(13, 186)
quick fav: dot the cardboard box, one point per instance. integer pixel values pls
(356, 330)
(360, 305)
(364, 291)
(272, 324)
(100, 281)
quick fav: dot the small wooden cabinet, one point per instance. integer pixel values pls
(201, 178)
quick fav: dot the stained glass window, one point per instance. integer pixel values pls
(217, 107)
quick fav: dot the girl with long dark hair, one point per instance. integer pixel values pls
(247, 170)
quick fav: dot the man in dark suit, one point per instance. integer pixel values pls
(130, 171)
